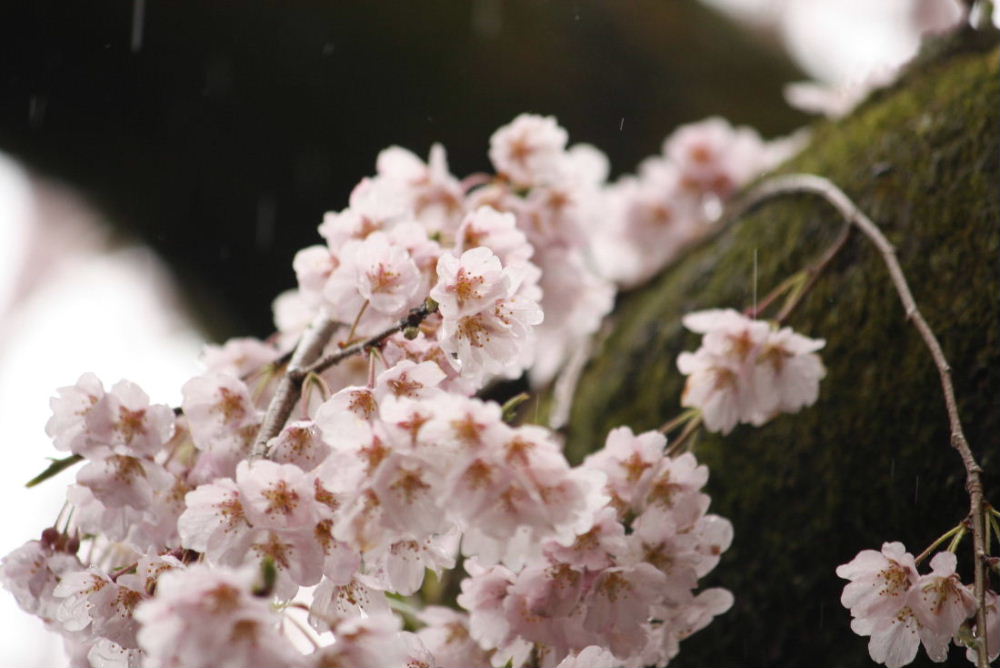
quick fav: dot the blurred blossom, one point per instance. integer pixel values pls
(16, 212)
(843, 41)
(69, 303)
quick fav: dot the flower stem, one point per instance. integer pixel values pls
(354, 325)
(933, 546)
(953, 545)
(683, 418)
(790, 284)
(692, 428)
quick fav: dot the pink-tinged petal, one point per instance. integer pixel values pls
(894, 640)
(865, 562)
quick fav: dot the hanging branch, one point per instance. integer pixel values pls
(816, 185)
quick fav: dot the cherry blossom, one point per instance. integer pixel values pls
(91, 598)
(902, 610)
(376, 272)
(486, 321)
(374, 206)
(880, 581)
(215, 522)
(528, 150)
(364, 641)
(469, 283)
(70, 424)
(941, 603)
(747, 372)
(388, 466)
(714, 157)
(90, 422)
(429, 190)
(300, 443)
(446, 636)
(223, 421)
(238, 357)
(32, 572)
(497, 231)
(203, 616)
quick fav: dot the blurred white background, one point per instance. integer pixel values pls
(69, 303)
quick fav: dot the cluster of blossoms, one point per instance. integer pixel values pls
(381, 484)
(901, 609)
(564, 237)
(200, 551)
(746, 370)
(626, 583)
(651, 217)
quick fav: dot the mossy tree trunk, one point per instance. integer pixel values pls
(871, 460)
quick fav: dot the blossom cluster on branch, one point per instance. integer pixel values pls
(328, 489)
(901, 610)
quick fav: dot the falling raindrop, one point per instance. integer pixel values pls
(36, 111)
(138, 24)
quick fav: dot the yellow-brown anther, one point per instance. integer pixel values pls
(281, 498)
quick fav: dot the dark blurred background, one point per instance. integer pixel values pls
(219, 132)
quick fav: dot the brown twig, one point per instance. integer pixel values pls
(414, 319)
(304, 362)
(310, 346)
(816, 185)
(814, 272)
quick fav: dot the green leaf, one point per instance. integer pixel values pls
(54, 468)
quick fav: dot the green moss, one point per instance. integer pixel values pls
(871, 460)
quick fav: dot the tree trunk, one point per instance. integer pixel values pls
(871, 460)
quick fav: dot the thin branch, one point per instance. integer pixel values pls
(414, 319)
(814, 272)
(816, 185)
(310, 346)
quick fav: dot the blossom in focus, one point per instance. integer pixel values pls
(899, 609)
(487, 321)
(747, 372)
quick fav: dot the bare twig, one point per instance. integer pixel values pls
(304, 362)
(814, 272)
(310, 347)
(816, 185)
(414, 319)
